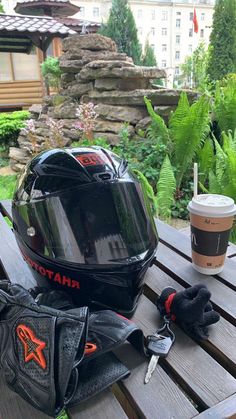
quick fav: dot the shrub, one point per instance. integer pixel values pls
(7, 186)
(10, 126)
(51, 72)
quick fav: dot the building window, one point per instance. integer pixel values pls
(177, 55)
(190, 48)
(164, 15)
(152, 31)
(191, 16)
(178, 13)
(177, 39)
(163, 63)
(178, 23)
(164, 31)
(176, 71)
(81, 11)
(153, 15)
(95, 11)
(190, 33)
(202, 16)
(140, 31)
(202, 33)
(153, 46)
(164, 47)
(140, 13)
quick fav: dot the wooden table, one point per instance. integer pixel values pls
(194, 381)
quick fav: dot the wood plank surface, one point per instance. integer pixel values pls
(182, 270)
(180, 243)
(160, 398)
(223, 410)
(14, 266)
(102, 406)
(222, 335)
(194, 369)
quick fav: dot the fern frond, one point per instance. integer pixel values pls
(214, 186)
(180, 112)
(205, 158)
(225, 105)
(158, 126)
(189, 135)
(220, 161)
(148, 190)
(166, 187)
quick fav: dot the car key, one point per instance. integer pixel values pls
(158, 346)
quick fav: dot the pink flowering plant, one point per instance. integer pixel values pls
(54, 139)
(86, 119)
(55, 134)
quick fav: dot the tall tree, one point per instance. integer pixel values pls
(194, 68)
(122, 29)
(223, 40)
(1, 8)
(148, 58)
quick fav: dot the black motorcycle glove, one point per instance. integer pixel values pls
(39, 347)
(190, 309)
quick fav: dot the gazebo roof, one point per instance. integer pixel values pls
(52, 8)
(20, 33)
(80, 26)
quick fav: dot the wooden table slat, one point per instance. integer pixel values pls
(16, 269)
(5, 208)
(161, 397)
(193, 367)
(223, 410)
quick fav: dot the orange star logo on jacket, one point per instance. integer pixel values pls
(33, 347)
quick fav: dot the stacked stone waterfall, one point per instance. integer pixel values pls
(93, 71)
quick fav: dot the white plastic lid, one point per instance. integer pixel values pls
(212, 205)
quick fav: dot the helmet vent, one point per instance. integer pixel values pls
(103, 176)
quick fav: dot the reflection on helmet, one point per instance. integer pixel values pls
(81, 217)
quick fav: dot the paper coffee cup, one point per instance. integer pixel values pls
(211, 219)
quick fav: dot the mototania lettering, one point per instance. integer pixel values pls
(53, 276)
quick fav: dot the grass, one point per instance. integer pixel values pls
(7, 186)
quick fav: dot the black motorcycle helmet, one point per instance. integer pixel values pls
(83, 223)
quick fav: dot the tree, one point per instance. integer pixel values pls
(148, 58)
(122, 29)
(223, 40)
(194, 68)
(1, 8)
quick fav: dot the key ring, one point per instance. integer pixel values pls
(165, 328)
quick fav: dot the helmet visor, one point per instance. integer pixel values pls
(100, 223)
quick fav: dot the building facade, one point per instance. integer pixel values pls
(167, 25)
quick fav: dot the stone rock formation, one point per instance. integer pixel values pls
(93, 71)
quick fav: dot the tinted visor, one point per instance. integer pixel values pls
(99, 223)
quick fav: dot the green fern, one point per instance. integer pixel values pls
(205, 159)
(166, 187)
(225, 104)
(148, 190)
(158, 127)
(220, 161)
(189, 134)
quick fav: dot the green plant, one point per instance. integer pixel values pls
(148, 57)
(7, 186)
(180, 143)
(194, 69)
(121, 27)
(51, 72)
(101, 142)
(10, 126)
(225, 103)
(223, 40)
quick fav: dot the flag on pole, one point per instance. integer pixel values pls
(195, 22)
